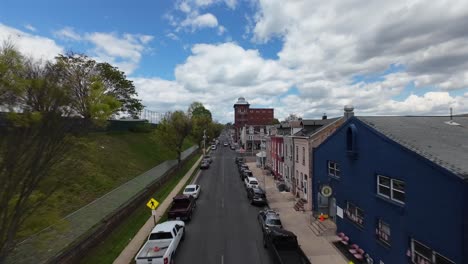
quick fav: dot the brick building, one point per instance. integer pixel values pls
(245, 116)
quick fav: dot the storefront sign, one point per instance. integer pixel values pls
(326, 191)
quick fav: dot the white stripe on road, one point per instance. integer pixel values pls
(222, 259)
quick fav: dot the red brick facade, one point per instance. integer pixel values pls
(244, 115)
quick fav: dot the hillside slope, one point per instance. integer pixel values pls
(100, 163)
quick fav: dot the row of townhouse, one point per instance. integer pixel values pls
(396, 186)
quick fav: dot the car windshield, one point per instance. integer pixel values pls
(160, 235)
(276, 222)
(254, 182)
(189, 189)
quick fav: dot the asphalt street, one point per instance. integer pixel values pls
(224, 228)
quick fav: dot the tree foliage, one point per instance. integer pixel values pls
(173, 130)
(89, 81)
(38, 130)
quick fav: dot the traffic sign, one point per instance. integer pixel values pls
(152, 204)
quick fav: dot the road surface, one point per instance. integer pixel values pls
(224, 228)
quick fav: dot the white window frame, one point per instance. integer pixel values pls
(381, 231)
(334, 168)
(353, 215)
(391, 187)
(431, 259)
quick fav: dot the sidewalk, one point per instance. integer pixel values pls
(317, 248)
(127, 255)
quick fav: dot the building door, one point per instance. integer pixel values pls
(332, 209)
(305, 187)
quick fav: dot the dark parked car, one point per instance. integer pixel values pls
(239, 160)
(243, 167)
(208, 158)
(256, 196)
(283, 247)
(204, 165)
(269, 218)
(245, 174)
(182, 207)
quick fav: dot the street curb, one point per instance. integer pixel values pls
(128, 253)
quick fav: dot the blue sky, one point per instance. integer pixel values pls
(301, 57)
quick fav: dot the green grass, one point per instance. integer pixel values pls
(99, 163)
(108, 250)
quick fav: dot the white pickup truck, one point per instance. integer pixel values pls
(162, 243)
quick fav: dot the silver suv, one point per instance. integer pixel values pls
(269, 218)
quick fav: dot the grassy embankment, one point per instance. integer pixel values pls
(110, 249)
(100, 163)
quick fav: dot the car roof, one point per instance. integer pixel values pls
(191, 186)
(258, 190)
(167, 226)
(181, 196)
(252, 179)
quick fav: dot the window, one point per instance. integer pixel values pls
(334, 169)
(383, 231)
(355, 214)
(391, 188)
(303, 155)
(302, 181)
(297, 154)
(421, 253)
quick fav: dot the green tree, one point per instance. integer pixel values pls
(201, 122)
(38, 131)
(173, 130)
(275, 121)
(81, 75)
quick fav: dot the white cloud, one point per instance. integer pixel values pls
(221, 30)
(38, 47)
(123, 51)
(67, 33)
(172, 36)
(200, 21)
(194, 17)
(30, 27)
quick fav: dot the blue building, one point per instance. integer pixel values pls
(397, 187)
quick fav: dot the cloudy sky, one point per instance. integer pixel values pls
(304, 57)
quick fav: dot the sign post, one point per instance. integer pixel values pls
(153, 204)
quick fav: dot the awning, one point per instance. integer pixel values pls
(261, 154)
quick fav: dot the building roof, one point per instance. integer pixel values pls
(312, 126)
(241, 101)
(433, 137)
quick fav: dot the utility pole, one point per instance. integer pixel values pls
(204, 142)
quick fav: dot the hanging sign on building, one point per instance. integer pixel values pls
(326, 191)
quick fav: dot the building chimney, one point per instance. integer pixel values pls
(348, 111)
(324, 116)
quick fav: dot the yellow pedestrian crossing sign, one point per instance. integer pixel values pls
(152, 204)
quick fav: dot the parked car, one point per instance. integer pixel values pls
(239, 160)
(162, 243)
(243, 167)
(283, 247)
(251, 182)
(182, 207)
(246, 173)
(269, 218)
(204, 164)
(256, 196)
(193, 190)
(233, 147)
(225, 144)
(213, 147)
(208, 158)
